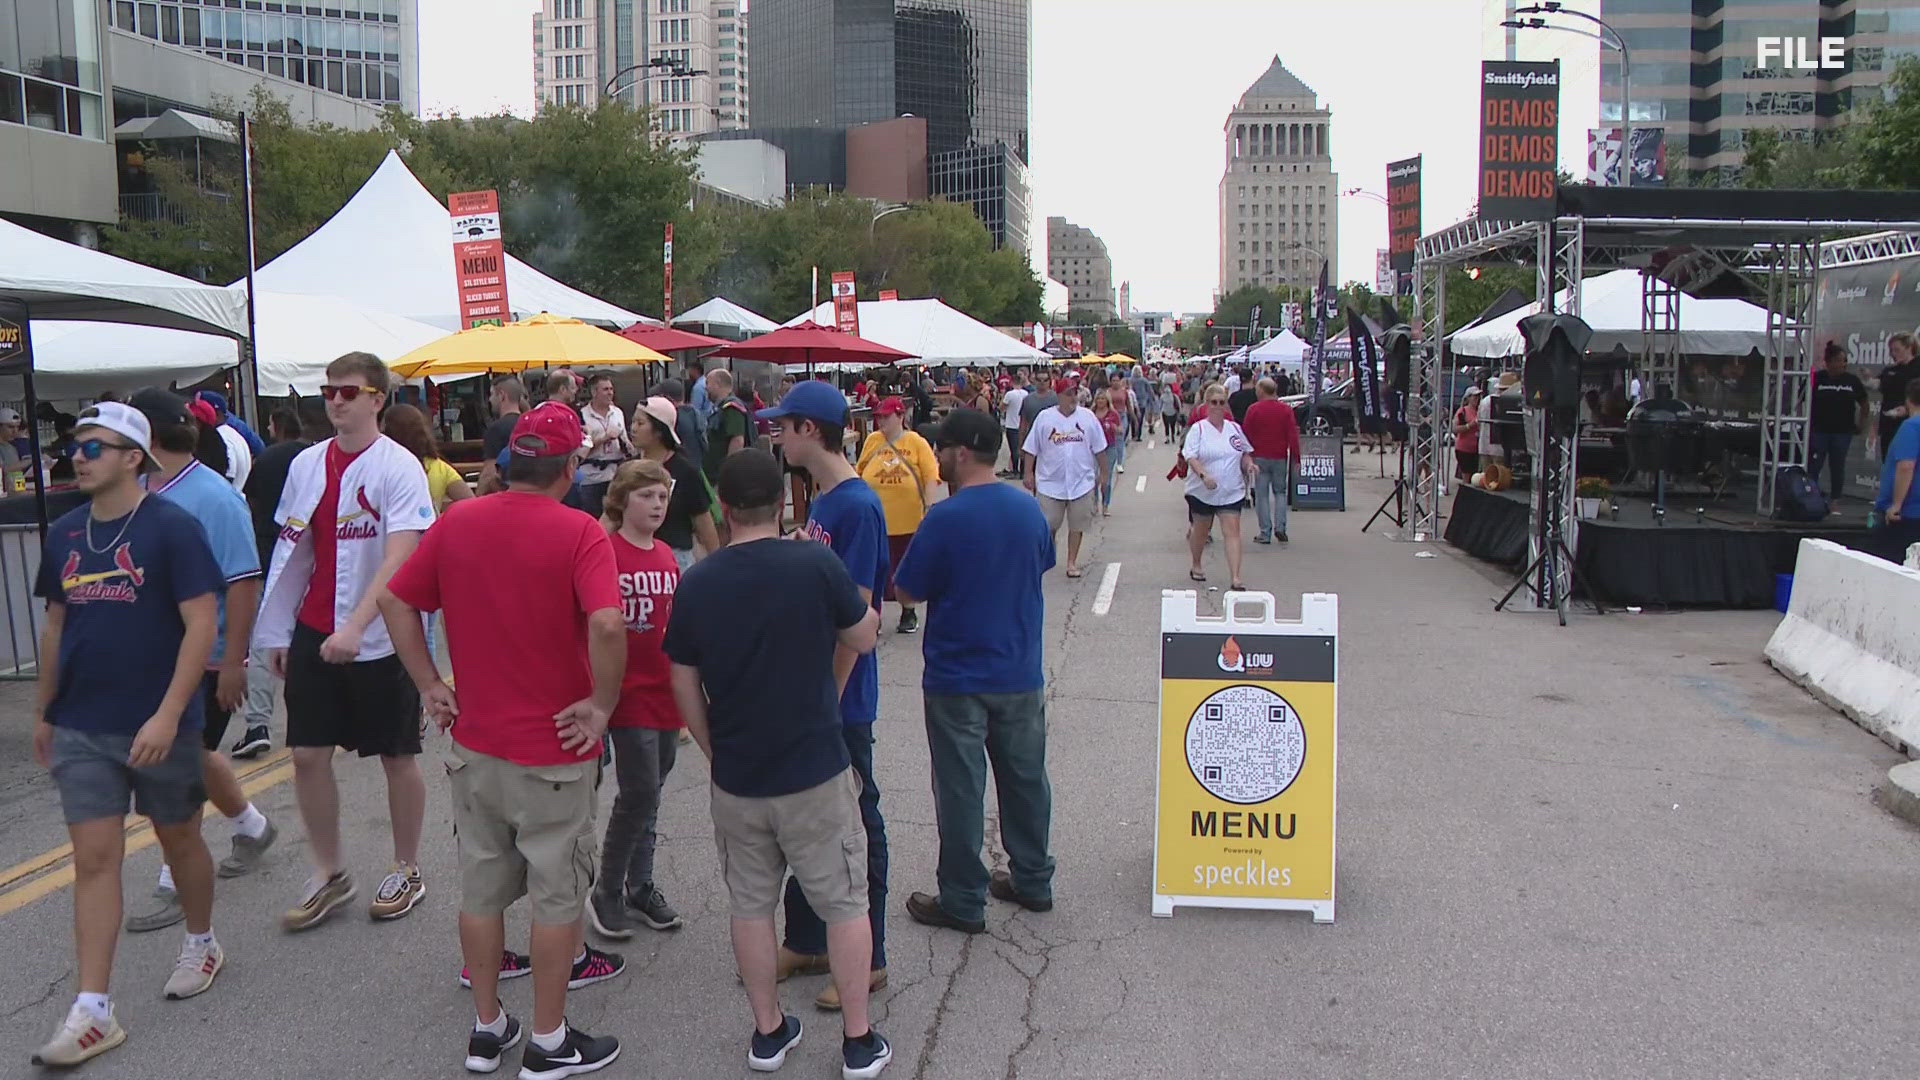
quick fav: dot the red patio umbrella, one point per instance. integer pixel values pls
(667, 339)
(810, 343)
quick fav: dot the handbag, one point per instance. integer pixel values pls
(919, 483)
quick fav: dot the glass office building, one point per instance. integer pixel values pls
(349, 47)
(50, 67)
(1698, 76)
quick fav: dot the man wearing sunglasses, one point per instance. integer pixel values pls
(131, 588)
(353, 509)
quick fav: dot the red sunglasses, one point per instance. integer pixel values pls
(345, 393)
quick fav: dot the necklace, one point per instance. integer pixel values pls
(124, 526)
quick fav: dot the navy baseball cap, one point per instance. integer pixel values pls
(810, 400)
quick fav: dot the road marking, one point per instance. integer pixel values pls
(1103, 598)
(18, 886)
(1140, 484)
(1149, 444)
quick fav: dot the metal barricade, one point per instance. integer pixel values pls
(19, 565)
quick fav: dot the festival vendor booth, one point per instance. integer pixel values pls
(44, 280)
(722, 318)
(1692, 525)
(935, 333)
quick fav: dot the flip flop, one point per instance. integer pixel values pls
(1196, 577)
(1075, 574)
(1237, 587)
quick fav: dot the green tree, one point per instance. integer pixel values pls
(1882, 145)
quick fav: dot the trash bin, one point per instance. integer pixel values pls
(1782, 592)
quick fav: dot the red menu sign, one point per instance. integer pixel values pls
(1403, 212)
(479, 259)
(846, 311)
(889, 294)
(666, 258)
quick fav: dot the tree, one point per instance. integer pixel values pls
(1882, 148)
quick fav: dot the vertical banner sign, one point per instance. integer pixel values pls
(1244, 805)
(479, 259)
(1403, 213)
(1366, 370)
(1100, 339)
(1317, 366)
(846, 309)
(1519, 139)
(1320, 480)
(666, 264)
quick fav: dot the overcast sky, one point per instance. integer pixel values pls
(1129, 100)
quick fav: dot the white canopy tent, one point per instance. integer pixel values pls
(1610, 303)
(1284, 349)
(934, 332)
(723, 312)
(390, 249)
(65, 281)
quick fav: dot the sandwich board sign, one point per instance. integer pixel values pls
(1244, 803)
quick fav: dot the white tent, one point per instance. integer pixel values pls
(1610, 303)
(59, 280)
(934, 332)
(1284, 348)
(390, 249)
(721, 311)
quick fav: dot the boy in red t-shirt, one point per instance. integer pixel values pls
(646, 724)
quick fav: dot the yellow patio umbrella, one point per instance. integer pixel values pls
(541, 340)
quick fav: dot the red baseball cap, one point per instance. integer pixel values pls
(549, 429)
(203, 412)
(1062, 385)
(891, 406)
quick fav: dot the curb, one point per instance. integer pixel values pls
(1901, 793)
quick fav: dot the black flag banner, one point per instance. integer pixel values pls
(1366, 369)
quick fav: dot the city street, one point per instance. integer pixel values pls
(1621, 849)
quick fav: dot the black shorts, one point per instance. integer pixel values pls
(1197, 508)
(217, 717)
(370, 706)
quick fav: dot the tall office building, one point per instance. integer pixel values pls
(964, 66)
(582, 47)
(1078, 259)
(1279, 195)
(1697, 74)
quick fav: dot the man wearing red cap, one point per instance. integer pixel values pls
(539, 668)
(1065, 454)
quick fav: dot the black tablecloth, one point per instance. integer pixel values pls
(1489, 526)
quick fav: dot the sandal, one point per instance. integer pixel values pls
(1075, 574)
(1237, 587)
(1196, 575)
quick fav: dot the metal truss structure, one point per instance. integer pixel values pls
(1786, 397)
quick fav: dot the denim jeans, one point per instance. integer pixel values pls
(1270, 494)
(805, 932)
(965, 732)
(1830, 450)
(1117, 449)
(642, 758)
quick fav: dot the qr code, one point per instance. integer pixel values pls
(1245, 745)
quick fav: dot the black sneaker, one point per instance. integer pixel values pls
(927, 910)
(768, 1052)
(579, 1053)
(1281, 535)
(595, 967)
(650, 906)
(255, 742)
(608, 911)
(909, 621)
(485, 1049)
(863, 1058)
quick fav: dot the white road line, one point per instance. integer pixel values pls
(1140, 484)
(1149, 444)
(1103, 599)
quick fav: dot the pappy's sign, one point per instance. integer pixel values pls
(14, 350)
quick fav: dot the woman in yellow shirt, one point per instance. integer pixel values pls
(408, 426)
(901, 468)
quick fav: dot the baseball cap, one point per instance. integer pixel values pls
(1062, 385)
(203, 412)
(549, 429)
(810, 400)
(891, 406)
(968, 429)
(9, 416)
(663, 411)
(121, 419)
(162, 408)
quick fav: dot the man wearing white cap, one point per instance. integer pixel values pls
(10, 462)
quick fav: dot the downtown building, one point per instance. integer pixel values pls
(1696, 74)
(901, 99)
(1279, 195)
(1078, 259)
(583, 47)
(89, 87)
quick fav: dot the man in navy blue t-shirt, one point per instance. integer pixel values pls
(983, 681)
(810, 425)
(131, 588)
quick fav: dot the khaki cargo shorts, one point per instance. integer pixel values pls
(1077, 513)
(817, 833)
(524, 830)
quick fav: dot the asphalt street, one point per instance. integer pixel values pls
(1625, 848)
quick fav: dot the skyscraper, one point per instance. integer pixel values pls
(1697, 73)
(1078, 259)
(581, 47)
(1279, 195)
(962, 65)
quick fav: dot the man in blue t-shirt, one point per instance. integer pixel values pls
(983, 682)
(1899, 502)
(131, 589)
(810, 426)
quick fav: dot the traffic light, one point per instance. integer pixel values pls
(1209, 322)
(1176, 325)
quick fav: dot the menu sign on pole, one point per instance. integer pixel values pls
(1403, 212)
(846, 308)
(479, 258)
(666, 260)
(1519, 139)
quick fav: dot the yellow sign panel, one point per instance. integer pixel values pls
(1245, 814)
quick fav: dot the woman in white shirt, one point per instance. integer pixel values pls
(1219, 464)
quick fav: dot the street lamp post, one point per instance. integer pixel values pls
(659, 65)
(1557, 7)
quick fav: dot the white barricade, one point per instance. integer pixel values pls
(1852, 638)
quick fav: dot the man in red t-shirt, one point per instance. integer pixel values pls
(1275, 435)
(539, 667)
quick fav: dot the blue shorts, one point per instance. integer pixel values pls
(95, 781)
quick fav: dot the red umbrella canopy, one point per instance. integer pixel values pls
(667, 339)
(811, 343)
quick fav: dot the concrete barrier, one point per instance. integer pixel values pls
(1851, 637)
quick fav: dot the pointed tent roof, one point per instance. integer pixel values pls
(1277, 82)
(934, 332)
(391, 249)
(721, 311)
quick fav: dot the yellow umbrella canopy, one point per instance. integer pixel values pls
(541, 340)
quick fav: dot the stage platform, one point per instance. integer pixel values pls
(1710, 553)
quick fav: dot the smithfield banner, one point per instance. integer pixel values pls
(479, 258)
(846, 309)
(1403, 212)
(1366, 371)
(1519, 139)
(1244, 803)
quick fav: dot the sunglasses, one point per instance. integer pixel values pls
(345, 393)
(91, 449)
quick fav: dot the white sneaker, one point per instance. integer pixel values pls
(81, 1037)
(193, 973)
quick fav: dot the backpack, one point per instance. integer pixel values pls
(1796, 498)
(718, 423)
